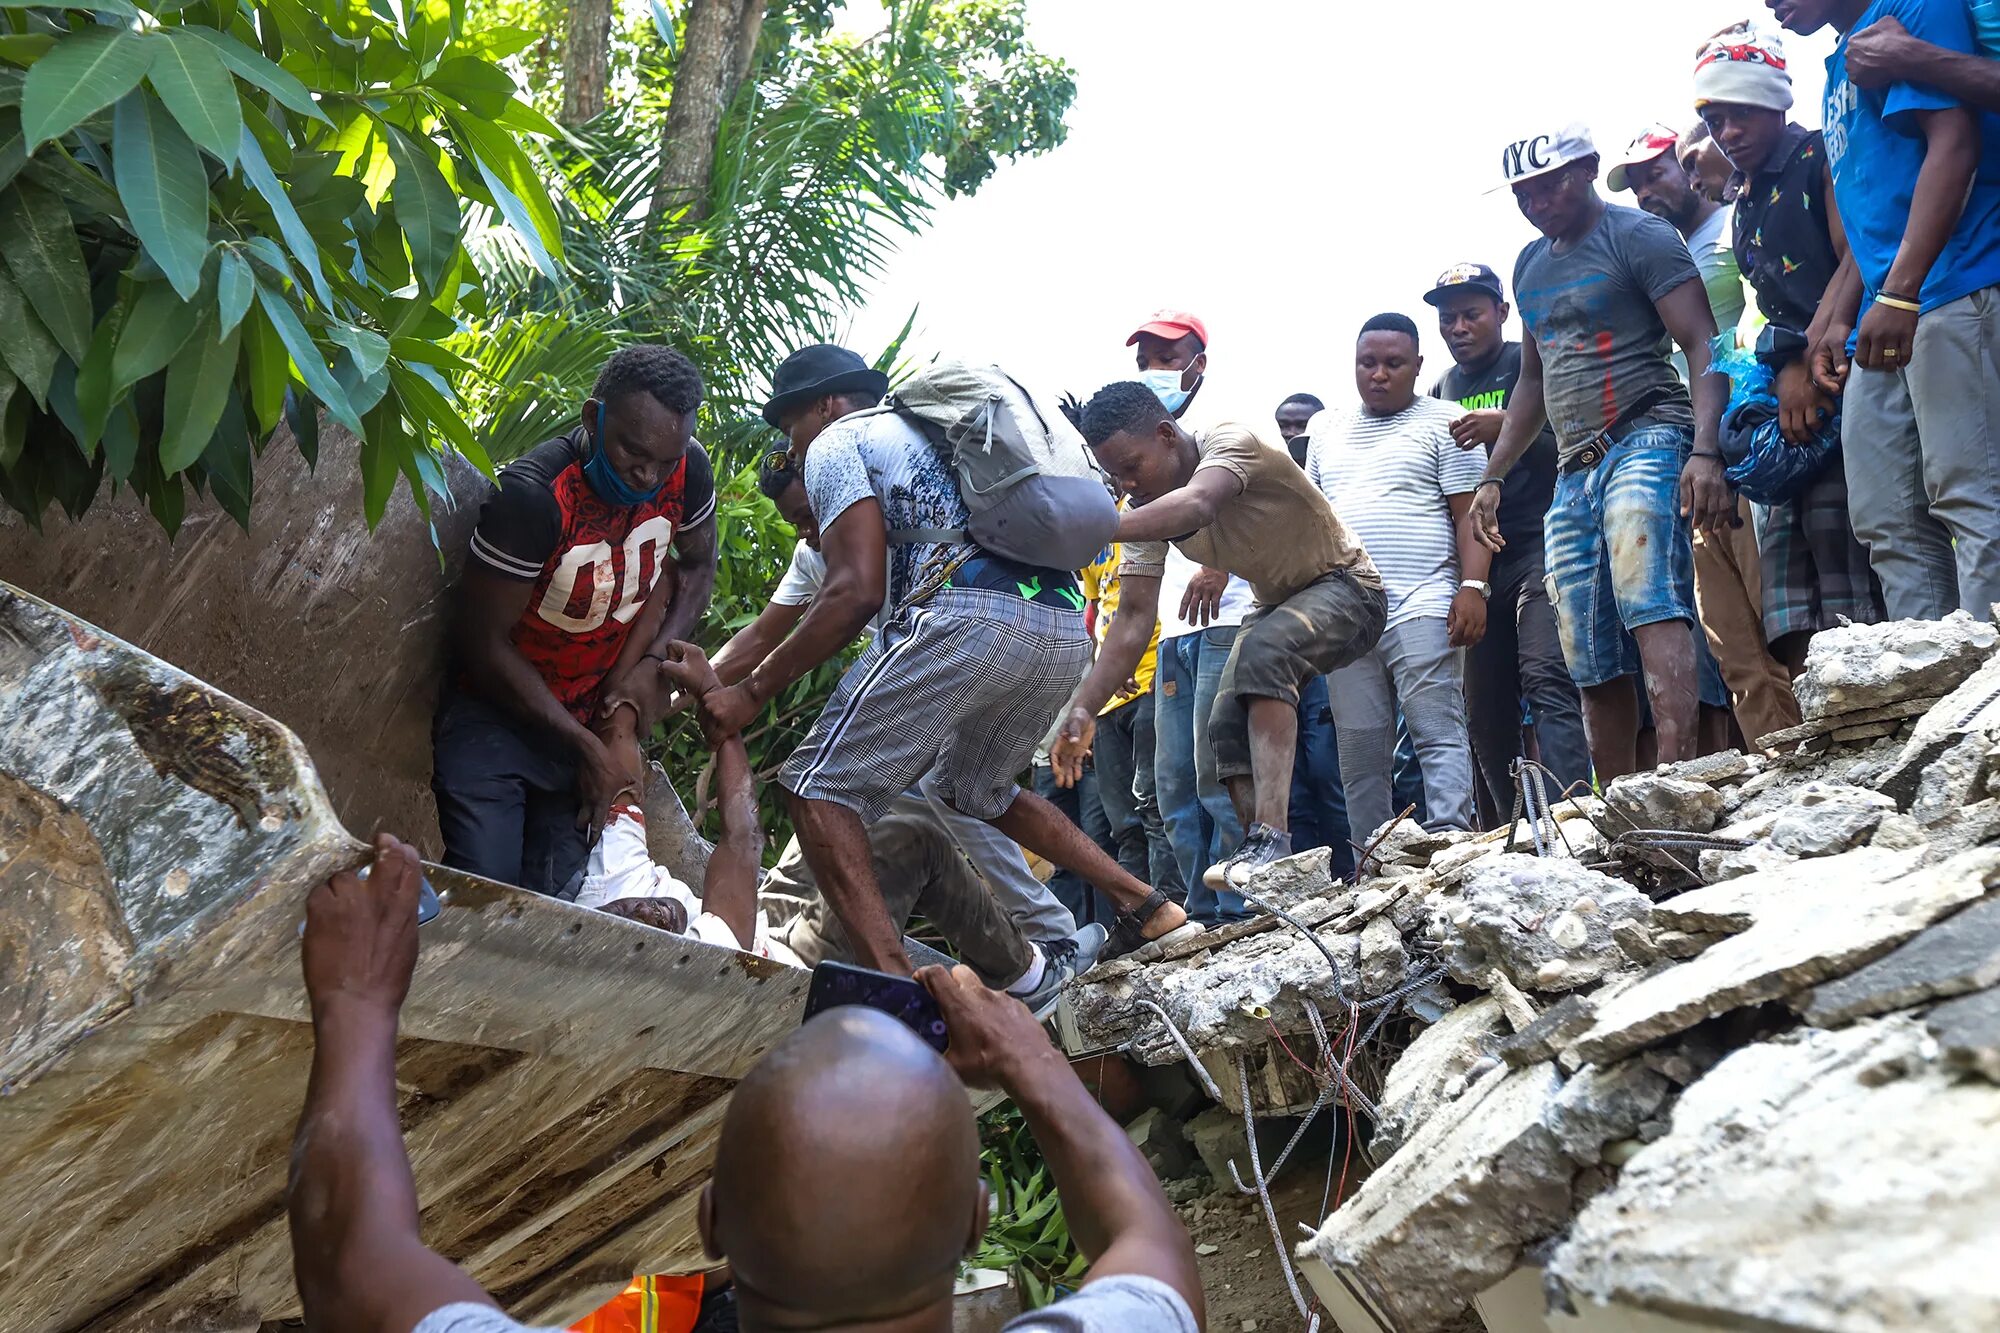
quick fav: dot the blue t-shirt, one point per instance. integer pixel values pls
(1986, 27)
(1875, 143)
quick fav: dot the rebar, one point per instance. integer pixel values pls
(1264, 1191)
(1208, 1084)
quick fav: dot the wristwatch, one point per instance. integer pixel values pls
(1480, 586)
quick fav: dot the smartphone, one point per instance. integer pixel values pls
(428, 903)
(902, 998)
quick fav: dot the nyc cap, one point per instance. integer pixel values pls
(1525, 159)
(1653, 141)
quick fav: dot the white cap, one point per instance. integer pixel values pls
(1539, 154)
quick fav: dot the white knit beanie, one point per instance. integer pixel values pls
(1743, 66)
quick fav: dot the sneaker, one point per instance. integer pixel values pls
(1262, 846)
(1063, 961)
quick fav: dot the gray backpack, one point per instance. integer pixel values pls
(1034, 492)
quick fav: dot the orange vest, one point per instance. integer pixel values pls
(649, 1305)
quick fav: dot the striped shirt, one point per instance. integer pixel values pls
(1389, 478)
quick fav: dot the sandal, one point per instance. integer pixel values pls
(1128, 935)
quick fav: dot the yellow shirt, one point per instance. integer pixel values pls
(1100, 585)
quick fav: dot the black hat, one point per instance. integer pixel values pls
(1466, 275)
(811, 373)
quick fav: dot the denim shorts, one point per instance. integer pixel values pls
(1619, 553)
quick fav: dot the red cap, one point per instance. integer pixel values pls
(1653, 141)
(1173, 325)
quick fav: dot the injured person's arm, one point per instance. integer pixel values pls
(729, 889)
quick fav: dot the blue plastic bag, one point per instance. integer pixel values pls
(1757, 459)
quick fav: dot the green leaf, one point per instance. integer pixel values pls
(517, 190)
(54, 169)
(430, 29)
(480, 88)
(520, 116)
(25, 344)
(82, 74)
(25, 48)
(196, 86)
(164, 189)
(13, 146)
(383, 445)
(302, 415)
(369, 348)
(94, 394)
(12, 439)
(158, 324)
(425, 207)
(304, 248)
(306, 356)
(121, 440)
(268, 369)
(46, 260)
(234, 286)
(227, 461)
(254, 68)
(499, 43)
(198, 380)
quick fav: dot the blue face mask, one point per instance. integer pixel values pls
(1166, 386)
(610, 487)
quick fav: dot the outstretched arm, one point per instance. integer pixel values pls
(357, 1255)
(1117, 657)
(1114, 1205)
(729, 888)
(1177, 513)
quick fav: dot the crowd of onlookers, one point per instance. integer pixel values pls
(1763, 401)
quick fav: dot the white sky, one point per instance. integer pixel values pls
(1284, 169)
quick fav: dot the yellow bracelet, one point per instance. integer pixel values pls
(1898, 303)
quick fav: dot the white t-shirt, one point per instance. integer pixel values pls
(1389, 478)
(1174, 580)
(885, 458)
(806, 575)
(621, 866)
(1114, 1305)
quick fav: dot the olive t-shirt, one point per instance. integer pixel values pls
(1279, 534)
(1591, 313)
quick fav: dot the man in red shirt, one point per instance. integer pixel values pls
(562, 601)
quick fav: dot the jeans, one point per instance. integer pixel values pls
(1415, 666)
(1319, 806)
(1409, 775)
(1079, 804)
(1194, 805)
(1923, 456)
(506, 799)
(1521, 657)
(1620, 556)
(1126, 757)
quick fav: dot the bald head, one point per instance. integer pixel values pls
(847, 1179)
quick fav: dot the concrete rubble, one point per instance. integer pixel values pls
(1726, 1053)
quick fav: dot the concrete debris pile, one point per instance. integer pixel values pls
(1724, 1052)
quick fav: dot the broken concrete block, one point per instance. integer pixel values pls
(1952, 779)
(1413, 1089)
(1715, 769)
(1546, 1037)
(1898, 832)
(1448, 1215)
(1601, 1105)
(1383, 964)
(1295, 880)
(1791, 1193)
(1971, 709)
(1857, 667)
(1662, 801)
(1829, 819)
(1959, 954)
(1159, 1139)
(1217, 1137)
(1758, 857)
(1446, 864)
(1544, 922)
(1968, 1033)
(1855, 908)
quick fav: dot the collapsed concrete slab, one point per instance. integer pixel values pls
(1450, 1213)
(1434, 1068)
(1854, 908)
(1824, 1181)
(1968, 1033)
(1959, 954)
(1857, 667)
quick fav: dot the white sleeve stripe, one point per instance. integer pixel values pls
(696, 520)
(503, 562)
